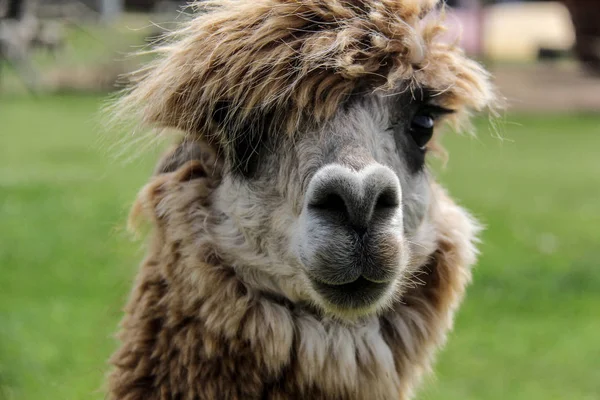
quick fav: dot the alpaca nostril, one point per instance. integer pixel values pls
(387, 199)
(330, 202)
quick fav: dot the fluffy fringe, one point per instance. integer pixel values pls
(295, 62)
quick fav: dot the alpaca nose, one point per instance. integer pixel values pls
(357, 199)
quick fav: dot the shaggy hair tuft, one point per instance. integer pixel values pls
(286, 65)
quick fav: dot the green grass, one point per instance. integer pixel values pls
(529, 328)
(66, 262)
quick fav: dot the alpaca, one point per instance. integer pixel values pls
(300, 246)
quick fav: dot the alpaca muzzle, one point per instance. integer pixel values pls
(353, 251)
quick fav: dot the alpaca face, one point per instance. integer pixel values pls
(336, 217)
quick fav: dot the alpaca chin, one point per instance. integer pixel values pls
(342, 312)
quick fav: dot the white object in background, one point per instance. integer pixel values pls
(516, 31)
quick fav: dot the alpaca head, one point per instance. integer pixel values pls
(322, 113)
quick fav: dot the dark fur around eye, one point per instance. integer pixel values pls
(413, 127)
(245, 144)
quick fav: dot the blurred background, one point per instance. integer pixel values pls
(530, 325)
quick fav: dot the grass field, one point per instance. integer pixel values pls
(529, 329)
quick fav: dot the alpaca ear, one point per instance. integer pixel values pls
(205, 161)
(188, 173)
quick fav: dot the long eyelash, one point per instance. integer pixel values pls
(436, 110)
(433, 109)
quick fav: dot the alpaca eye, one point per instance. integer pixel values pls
(421, 129)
